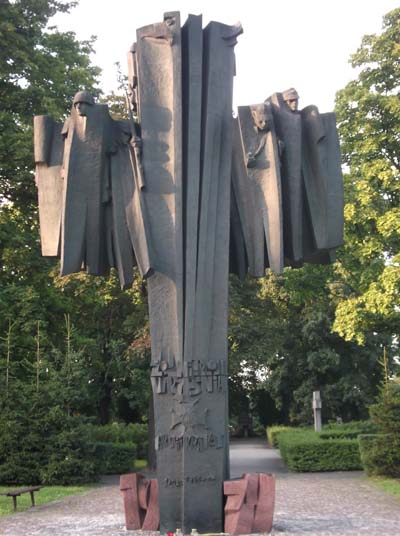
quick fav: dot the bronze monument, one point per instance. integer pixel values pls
(188, 193)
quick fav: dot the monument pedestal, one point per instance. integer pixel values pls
(249, 504)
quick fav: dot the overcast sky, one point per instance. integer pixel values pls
(304, 44)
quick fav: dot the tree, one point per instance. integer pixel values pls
(368, 112)
(105, 321)
(282, 349)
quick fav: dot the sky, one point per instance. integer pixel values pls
(304, 44)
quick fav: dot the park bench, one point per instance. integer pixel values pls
(14, 493)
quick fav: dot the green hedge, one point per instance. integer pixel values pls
(115, 458)
(274, 431)
(364, 427)
(380, 454)
(350, 430)
(71, 458)
(339, 434)
(352, 427)
(48, 447)
(56, 449)
(120, 433)
(307, 452)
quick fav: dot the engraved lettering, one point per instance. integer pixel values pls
(195, 479)
(199, 442)
(192, 378)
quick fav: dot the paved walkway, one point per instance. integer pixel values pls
(318, 504)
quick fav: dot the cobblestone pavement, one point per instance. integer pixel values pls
(340, 504)
(318, 504)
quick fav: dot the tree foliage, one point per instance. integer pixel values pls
(283, 349)
(368, 111)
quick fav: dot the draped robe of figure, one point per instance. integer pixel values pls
(294, 185)
(86, 192)
(90, 209)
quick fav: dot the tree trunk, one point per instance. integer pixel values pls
(105, 403)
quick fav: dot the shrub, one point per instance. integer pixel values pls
(274, 431)
(339, 434)
(115, 458)
(137, 434)
(348, 431)
(21, 452)
(306, 451)
(380, 454)
(42, 445)
(119, 433)
(71, 457)
(386, 412)
(69, 471)
(362, 427)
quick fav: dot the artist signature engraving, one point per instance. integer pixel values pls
(177, 483)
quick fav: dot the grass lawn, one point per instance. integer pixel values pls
(390, 485)
(140, 464)
(47, 494)
(43, 496)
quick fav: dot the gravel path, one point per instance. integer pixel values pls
(317, 504)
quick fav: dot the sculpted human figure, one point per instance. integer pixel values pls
(129, 223)
(323, 184)
(87, 144)
(287, 186)
(288, 130)
(82, 102)
(311, 180)
(49, 149)
(256, 191)
(90, 211)
(291, 97)
(261, 128)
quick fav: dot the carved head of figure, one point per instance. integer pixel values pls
(291, 97)
(82, 101)
(260, 117)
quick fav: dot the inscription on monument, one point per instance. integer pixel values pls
(198, 442)
(177, 483)
(192, 378)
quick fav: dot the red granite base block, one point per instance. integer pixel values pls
(264, 513)
(140, 499)
(128, 484)
(152, 519)
(249, 504)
